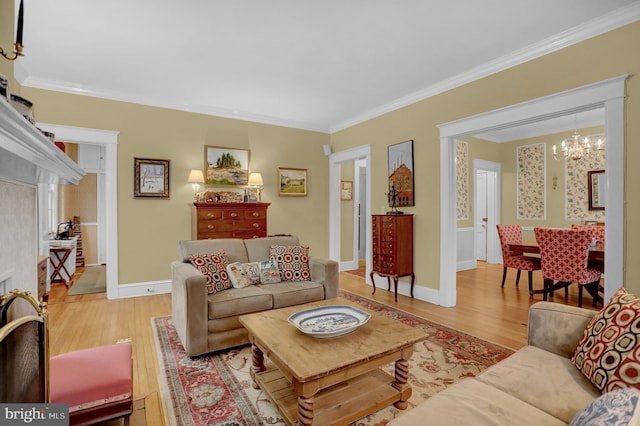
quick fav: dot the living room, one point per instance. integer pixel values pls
(147, 231)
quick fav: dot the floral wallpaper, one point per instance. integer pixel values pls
(462, 180)
(577, 192)
(530, 171)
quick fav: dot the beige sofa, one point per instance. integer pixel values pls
(538, 385)
(207, 323)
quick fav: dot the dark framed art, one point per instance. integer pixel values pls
(150, 178)
(401, 179)
(226, 166)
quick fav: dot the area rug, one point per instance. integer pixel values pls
(215, 389)
(92, 280)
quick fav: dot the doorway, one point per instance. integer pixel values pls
(486, 190)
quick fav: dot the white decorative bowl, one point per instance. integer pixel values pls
(329, 321)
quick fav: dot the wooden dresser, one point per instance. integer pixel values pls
(43, 261)
(229, 220)
(392, 236)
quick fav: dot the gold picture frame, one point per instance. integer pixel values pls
(150, 178)
(292, 182)
(346, 190)
(226, 166)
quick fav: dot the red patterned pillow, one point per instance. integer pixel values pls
(609, 352)
(214, 267)
(293, 262)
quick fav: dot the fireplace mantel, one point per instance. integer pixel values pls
(27, 156)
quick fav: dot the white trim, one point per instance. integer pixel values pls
(608, 94)
(494, 251)
(148, 288)
(109, 139)
(335, 160)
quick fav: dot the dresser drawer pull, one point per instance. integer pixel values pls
(210, 226)
(210, 215)
(256, 214)
(256, 225)
(234, 214)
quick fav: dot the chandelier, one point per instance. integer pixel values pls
(577, 147)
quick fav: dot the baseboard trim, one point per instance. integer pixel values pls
(148, 288)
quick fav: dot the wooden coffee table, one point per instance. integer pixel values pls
(333, 381)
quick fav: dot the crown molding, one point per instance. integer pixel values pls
(611, 21)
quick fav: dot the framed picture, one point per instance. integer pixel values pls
(150, 178)
(401, 178)
(226, 166)
(292, 182)
(346, 190)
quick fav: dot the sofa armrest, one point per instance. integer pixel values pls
(325, 272)
(557, 328)
(189, 307)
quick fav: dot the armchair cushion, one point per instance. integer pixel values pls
(608, 353)
(293, 262)
(214, 268)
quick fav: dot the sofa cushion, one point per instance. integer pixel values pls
(620, 407)
(233, 247)
(238, 275)
(269, 273)
(293, 262)
(258, 249)
(290, 293)
(560, 389)
(238, 301)
(471, 402)
(214, 268)
(609, 352)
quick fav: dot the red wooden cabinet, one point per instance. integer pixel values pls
(229, 220)
(392, 236)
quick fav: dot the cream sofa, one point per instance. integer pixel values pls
(537, 385)
(207, 323)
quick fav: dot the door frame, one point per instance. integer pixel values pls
(494, 252)
(608, 94)
(109, 140)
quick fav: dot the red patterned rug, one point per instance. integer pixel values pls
(215, 389)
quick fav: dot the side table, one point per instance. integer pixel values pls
(59, 256)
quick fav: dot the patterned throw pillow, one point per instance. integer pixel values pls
(293, 262)
(253, 271)
(618, 408)
(269, 273)
(609, 352)
(238, 275)
(214, 268)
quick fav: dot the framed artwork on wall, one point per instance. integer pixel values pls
(401, 178)
(292, 182)
(346, 190)
(226, 166)
(150, 178)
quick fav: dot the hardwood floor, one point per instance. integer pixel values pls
(483, 309)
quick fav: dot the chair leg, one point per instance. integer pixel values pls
(518, 277)
(531, 283)
(545, 289)
(580, 296)
(504, 275)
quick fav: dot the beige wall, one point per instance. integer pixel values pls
(566, 69)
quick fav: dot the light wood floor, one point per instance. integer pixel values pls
(483, 309)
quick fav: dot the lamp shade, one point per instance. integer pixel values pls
(196, 176)
(255, 179)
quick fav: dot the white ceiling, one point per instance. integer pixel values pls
(322, 65)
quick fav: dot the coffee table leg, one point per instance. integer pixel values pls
(402, 374)
(305, 411)
(257, 359)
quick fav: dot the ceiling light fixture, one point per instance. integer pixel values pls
(18, 44)
(577, 147)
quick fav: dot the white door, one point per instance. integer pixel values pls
(480, 218)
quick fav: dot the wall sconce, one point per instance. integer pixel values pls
(555, 182)
(18, 44)
(255, 184)
(196, 178)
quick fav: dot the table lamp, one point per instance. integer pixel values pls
(255, 182)
(196, 178)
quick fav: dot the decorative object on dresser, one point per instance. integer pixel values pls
(229, 220)
(151, 178)
(392, 249)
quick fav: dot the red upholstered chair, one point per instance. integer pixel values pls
(564, 256)
(96, 383)
(597, 231)
(512, 234)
